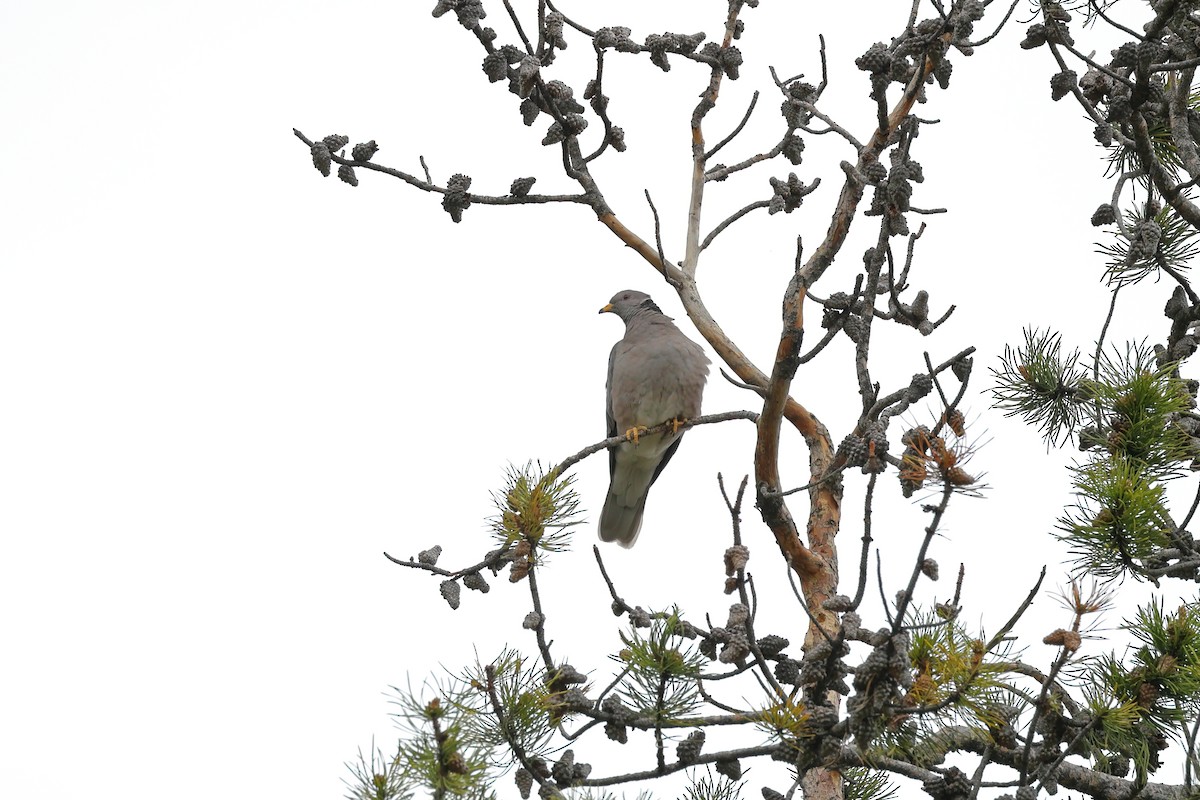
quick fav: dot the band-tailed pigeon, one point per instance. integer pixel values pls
(655, 375)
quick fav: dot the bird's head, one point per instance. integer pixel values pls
(625, 304)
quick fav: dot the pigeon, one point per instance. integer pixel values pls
(655, 375)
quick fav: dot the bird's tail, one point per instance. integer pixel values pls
(635, 468)
(620, 520)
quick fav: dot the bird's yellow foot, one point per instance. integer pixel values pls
(677, 423)
(633, 433)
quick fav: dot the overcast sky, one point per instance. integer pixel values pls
(228, 384)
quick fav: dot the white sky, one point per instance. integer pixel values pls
(229, 384)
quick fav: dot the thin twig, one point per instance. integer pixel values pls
(495, 560)
(1096, 8)
(833, 473)
(1179, 278)
(570, 21)
(936, 383)
(539, 630)
(678, 766)
(930, 532)
(503, 726)
(1020, 612)
(864, 556)
(1191, 511)
(756, 389)
(803, 605)
(1048, 773)
(735, 514)
(843, 315)
(517, 24)
(429, 186)
(658, 235)
(1112, 307)
(745, 118)
(613, 441)
(824, 66)
(887, 607)
(833, 127)
(977, 780)
(732, 218)
(999, 27)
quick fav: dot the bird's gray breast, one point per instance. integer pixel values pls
(658, 374)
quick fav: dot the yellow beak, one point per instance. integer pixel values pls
(608, 307)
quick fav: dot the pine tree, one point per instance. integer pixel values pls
(853, 707)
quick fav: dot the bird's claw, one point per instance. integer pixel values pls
(633, 433)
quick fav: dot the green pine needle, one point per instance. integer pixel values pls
(1162, 143)
(707, 787)
(860, 783)
(536, 505)
(521, 689)
(1141, 400)
(376, 778)
(662, 667)
(1177, 245)
(1119, 520)
(1040, 384)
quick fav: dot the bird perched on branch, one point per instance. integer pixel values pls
(655, 375)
